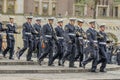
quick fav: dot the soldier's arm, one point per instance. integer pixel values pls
(89, 37)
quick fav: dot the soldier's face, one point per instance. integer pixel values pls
(92, 25)
(102, 28)
(38, 21)
(11, 20)
(72, 22)
(30, 20)
(80, 24)
(60, 24)
(50, 21)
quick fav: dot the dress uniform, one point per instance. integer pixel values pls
(80, 41)
(11, 29)
(70, 31)
(48, 36)
(93, 46)
(27, 33)
(61, 38)
(1, 30)
(37, 40)
(102, 48)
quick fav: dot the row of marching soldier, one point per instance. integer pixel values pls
(70, 41)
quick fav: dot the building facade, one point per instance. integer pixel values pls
(77, 8)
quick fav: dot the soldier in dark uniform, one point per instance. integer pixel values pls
(11, 30)
(60, 33)
(93, 46)
(80, 33)
(27, 32)
(37, 40)
(1, 30)
(48, 36)
(70, 31)
(102, 48)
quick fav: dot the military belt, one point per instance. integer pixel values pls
(28, 33)
(48, 36)
(80, 37)
(95, 41)
(103, 43)
(10, 33)
(71, 34)
(60, 38)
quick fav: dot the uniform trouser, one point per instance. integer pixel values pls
(27, 44)
(10, 48)
(71, 53)
(60, 51)
(37, 46)
(1, 45)
(93, 57)
(79, 53)
(103, 56)
(48, 51)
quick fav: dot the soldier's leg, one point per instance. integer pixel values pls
(46, 51)
(30, 50)
(103, 59)
(81, 56)
(77, 56)
(51, 45)
(8, 47)
(66, 53)
(72, 56)
(39, 49)
(95, 61)
(25, 42)
(0, 45)
(12, 49)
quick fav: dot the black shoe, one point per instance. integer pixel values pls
(39, 62)
(18, 57)
(93, 71)
(11, 58)
(72, 67)
(30, 60)
(51, 65)
(103, 71)
(83, 65)
(80, 65)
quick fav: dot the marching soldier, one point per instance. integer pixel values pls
(93, 46)
(11, 29)
(1, 30)
(70, 31)
(102, 48)
(49, 36)
(37, 40)
(60, 33)
(79, 41)
(27, 32)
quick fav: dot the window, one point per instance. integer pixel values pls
(53, 9)
(11, 6)
(77, 1)
(1, 6)
(45, 9)
(36, 7)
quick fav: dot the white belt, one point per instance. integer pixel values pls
(104, 43)
(49, 36)
(86, 40)
(95, 41)
(10, 33)
(80, 37)
(71, 34)
(60, 38)
(28, 33)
